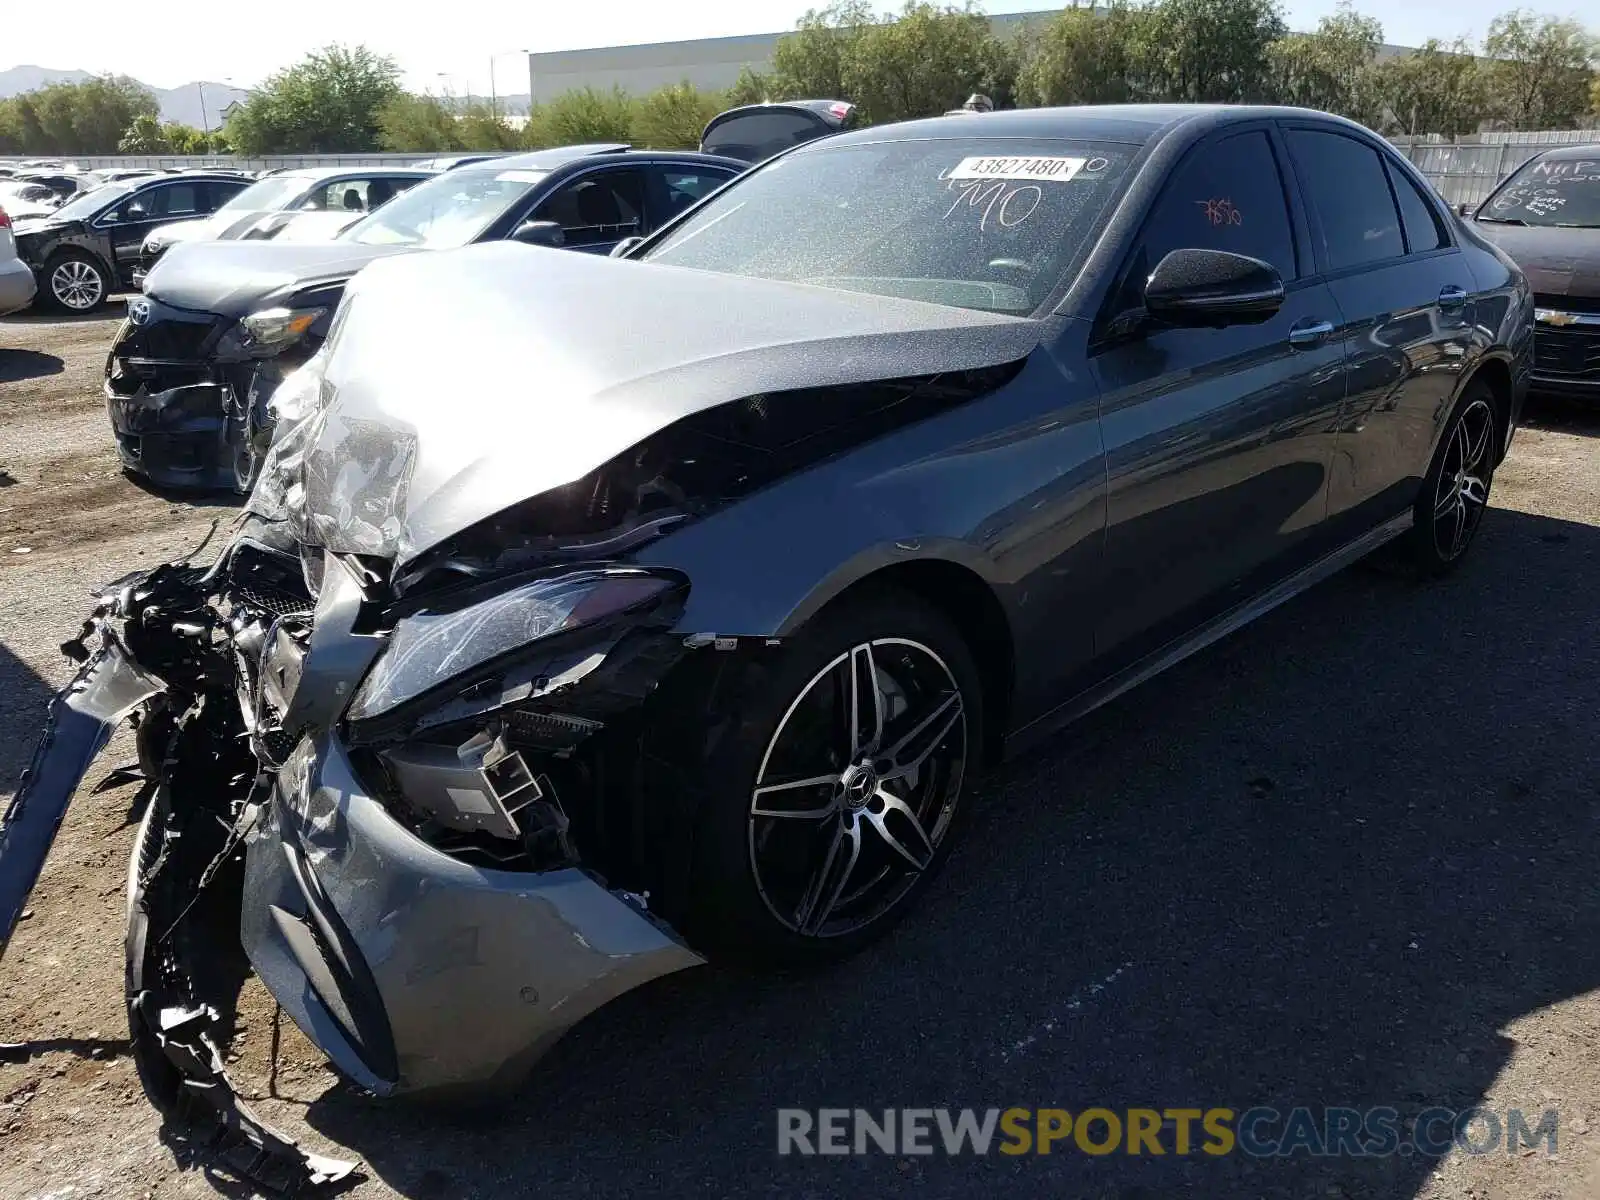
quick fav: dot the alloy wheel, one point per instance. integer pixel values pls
(857, 788)
(77, 285)
(1464, 479)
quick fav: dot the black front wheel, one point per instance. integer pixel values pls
(832, 800)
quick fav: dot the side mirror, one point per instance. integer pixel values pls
(620, 250)
(133, 212)
(1212, 288)
(539, 233)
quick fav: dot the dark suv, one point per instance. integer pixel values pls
(220, 324)
(89, 247)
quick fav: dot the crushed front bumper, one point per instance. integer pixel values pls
(177, 437)
(413, 971)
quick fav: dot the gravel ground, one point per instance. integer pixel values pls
(1344, 858)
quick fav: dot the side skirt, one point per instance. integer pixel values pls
(1219, 627)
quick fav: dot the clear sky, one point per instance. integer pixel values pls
(446, 46)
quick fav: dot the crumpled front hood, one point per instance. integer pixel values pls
(1557, 261)
(458, 384)
(232, 278)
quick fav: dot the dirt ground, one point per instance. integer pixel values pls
(1347, 857)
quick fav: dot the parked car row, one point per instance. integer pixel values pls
(599, 612)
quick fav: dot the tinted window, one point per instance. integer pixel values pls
(605, 207)
(762, 134)
(1345, 182)
(683, 188)
(971, 222)
(1225, 195)
(1417, 215)
(174, 200)
(219, 193)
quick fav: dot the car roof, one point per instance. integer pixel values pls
(333, 172)
(569, 156)
(1567, 153)
(1135, 123)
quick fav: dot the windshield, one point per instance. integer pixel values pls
(86, 204)
(1549, 192)
(446, 212)
(980, 223)
(268, 195)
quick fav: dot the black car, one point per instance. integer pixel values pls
(89, 247)
(221, 324)
(1546, 216)
(754, 132)
(593, 616)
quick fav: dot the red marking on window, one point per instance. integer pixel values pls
(1221, 211)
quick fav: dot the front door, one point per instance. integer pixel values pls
(1218, 441)
(147, 208)
(597, 209)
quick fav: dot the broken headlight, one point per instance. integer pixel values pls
(434, 647)
(268, 332)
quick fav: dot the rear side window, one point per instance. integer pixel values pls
(1226, 195)
(683, 188)
(174, 200)
(1416, 214)
(760, 135)
(1347, 187)
(219, 193)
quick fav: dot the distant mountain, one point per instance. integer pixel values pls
(180, 104)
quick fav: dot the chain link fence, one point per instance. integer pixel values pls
(1466, 169)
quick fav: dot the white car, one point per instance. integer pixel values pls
(16, 280)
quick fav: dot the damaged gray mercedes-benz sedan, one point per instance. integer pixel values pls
(593, 615)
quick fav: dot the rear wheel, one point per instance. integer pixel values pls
(75, 282)
(832, 800)
(1455, 492)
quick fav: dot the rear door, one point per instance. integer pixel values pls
(598, 208)
(1404, 294)
(1217, 440)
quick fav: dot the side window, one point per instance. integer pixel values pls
(1416, 214)
(1226, 195)
(685, 187)
(217, 193)
(603, 207)
(174, 200)
(1346, 184)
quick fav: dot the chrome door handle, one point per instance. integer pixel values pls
(1310, 335)
(1452, 297)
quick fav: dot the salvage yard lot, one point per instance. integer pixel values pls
(1348, 857)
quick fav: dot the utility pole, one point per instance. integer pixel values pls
(493, 97)
(205, 121)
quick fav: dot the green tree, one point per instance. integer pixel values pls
(924, 62)
(483, 128)
(329, 102)
(673, 117)
(1207, 51)
(1438, 88)
(1541, 69)
(186, 139)
(144, 136)
(1332, 69)
(418, 122)
(1594, 98)
(581, 115)
(752, 87)
(809, 64)
(78, 118)
(1083, 57)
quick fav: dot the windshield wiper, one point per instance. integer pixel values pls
(1575, 225)
(1503, 220)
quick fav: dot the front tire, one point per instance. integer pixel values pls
(1455, 491)
(75, 282)
(831, 789)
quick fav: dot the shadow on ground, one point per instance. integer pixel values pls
(1563, 414)
(18, 365)
(1324, 863)
(24, 699)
